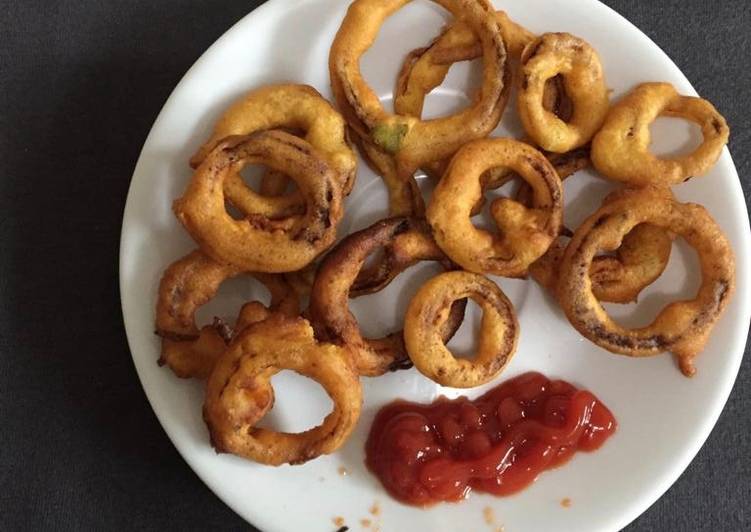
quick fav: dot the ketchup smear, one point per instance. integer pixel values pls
(499, 443)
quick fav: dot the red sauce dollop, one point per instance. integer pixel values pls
(499, 443)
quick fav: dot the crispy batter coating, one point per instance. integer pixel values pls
(578, 64)
(430, 308)
(525, 233)
(258, 243)
(412, 141)
(239, 392)
(290, 107)
(682, 327)
(620, 151)
(403, 251)
(424, 69)
(189, 283)
(617, 278)
(329, 309)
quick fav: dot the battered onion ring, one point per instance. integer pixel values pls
(682, 327)
(429, 309)
(526, 233)
(415, 142)
(412, 81)
(563, 54)
(329, 308)
(239, 393)
(403, 251)
(637, 263)
(257, 243)
(298, 107)
(189, 283)
(405, 198)
(620, 278)
(565, 164)
(620, 151)
(424, 69)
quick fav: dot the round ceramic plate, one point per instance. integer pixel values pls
(663, 417)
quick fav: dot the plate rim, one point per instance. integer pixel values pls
(656, 490)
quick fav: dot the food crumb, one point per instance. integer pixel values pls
(339, 522)
(342, 529)
(566, 502)
(365, 522)
(488, 514)
(375, 509)
(343, 471)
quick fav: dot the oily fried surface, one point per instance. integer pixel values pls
(258, 243)
(290, 107)
(186, 285)
(620, 150)
(414, 142)
(239, 392)
(682, 327)
(430, 308)
(578, 64)
(525, 233)
(329, 299)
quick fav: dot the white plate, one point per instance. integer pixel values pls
(664, 417)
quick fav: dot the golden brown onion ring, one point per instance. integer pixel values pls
(286, 106)
(682, 327)
(525, 232)
(620, 151)
(618, 278)
(424, 69)
(189, 283)
(329, 300)
(258, 243)
(412, 141)
(239, 393)
(565, 164)
(562, 54)
(403, 251)
(430, 308)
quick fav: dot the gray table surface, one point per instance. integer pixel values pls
(80, 85)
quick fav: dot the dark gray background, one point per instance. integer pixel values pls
(80, 85)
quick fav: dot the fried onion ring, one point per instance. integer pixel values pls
(526, 232)
(617, 278)
(682, 327)
(329, 309)
(554, 54)
(424, 69)
(620, 278)
(620, 151)
(239, 393)
(403, 251)
(189, 283)
(298, 107)
(257, 243)
(412, 141)
(430, 308)
(565, 164)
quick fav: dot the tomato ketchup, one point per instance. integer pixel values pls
(498, 443)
